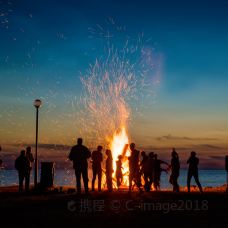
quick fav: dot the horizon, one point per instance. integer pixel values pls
(44, 55)
(59, 154)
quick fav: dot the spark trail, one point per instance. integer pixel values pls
(124, 74)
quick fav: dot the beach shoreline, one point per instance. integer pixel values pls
(71, 188)
(117, 209)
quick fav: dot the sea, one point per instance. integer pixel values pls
(208, 178)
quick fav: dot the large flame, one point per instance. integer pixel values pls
(124, 72)
(119, 146)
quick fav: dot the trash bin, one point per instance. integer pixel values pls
(47, 174)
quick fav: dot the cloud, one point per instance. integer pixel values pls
(221, 158)
(210, 146)
(54, 146)
(46, 146)
(183, 138)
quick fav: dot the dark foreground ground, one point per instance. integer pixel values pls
(119, 209)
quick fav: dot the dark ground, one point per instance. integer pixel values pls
(119, 209)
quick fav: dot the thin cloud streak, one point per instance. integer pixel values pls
(184, 138)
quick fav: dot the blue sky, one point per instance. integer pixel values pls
(45, 44)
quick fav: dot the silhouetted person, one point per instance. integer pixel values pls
(109, 170)
(226, 163)
(157, 171)
(119, 174)
(226, 167)
(193, 162)
(79, 155)
(151, 163)
(30, 158)
(0, 161)
(175, 168)
(145, 170)
(134, 168)
(21, 165)
(0, 158)
(96, 167)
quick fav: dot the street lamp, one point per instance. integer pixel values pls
(37, 103)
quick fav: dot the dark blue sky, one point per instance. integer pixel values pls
(192, 35)
(45, 44)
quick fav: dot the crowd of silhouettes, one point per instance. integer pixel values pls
(144, 168)
(147, 171)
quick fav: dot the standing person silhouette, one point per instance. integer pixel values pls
(0, 157)
(193, 162)
(134, 168)
(175, 169)
(0, 162)
(30, 158)
(79, 155)
(21, 165)
(226, 167)
(157, 171)
(109, 170)
(151, 163)
(119, 174)
(97, 158)
(145, 170)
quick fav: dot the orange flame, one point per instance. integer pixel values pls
(118, 147)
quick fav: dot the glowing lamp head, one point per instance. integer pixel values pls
(37, 103)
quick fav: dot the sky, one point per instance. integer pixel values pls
(45, 46)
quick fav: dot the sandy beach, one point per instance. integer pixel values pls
(117, 209)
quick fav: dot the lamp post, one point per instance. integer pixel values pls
(37, 103)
